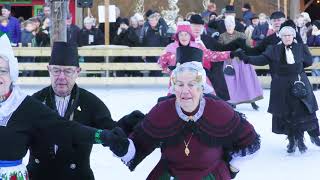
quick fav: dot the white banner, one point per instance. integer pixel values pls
(112, 13)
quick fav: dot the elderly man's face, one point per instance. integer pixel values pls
(276, 23)
(46, 11)
(197, 29)
(287, 39)
(63, 78)
(230, 29)
(5, 80)
(153, 21)
(187, 90)
(5, 13)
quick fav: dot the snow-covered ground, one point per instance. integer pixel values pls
(271, 161)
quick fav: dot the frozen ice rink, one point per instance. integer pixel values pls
(271, 161)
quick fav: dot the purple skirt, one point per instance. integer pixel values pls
(244, 86)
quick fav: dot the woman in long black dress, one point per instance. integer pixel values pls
(292, 103)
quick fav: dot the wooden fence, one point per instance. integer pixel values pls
(116, 51)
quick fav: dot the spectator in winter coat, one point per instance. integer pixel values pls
(127, 36)
(91, 36)
(261, 30)
(14, 31)
(314, 41)
(154, 34)
(247, 14)
(249, 30)
(73, 32)
(4, 24)
(28, 40)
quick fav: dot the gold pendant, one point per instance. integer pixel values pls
(187, 151)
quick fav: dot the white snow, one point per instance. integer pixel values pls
(270, 162)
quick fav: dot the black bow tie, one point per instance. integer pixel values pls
(289, 47)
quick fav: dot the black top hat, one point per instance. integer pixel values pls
(277, 15)
(247, 6)
(187, 54)
(6, 6)
(288, 22)
(149, 13)
(230, 9)
(316, 23)
(64, 54)
(196, 19)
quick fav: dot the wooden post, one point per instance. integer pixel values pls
(279, 5)
(106, 22)
(58, 17)
(285, 7)
(295, 8)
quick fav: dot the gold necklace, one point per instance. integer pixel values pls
(186, 149)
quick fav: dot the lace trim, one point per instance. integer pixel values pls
(195, 117)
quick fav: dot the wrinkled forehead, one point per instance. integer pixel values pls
(4, 62)
(62, 67)
(186, 74)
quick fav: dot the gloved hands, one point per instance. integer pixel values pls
(241, 55)
(128, 122)
(241, 43)
(120, 142)
(117, 141)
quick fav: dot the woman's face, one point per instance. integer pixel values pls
(5, 80)
(287, 39)
(230, 29)
(184, 38)
(134, 23)
(187, 90)
(88, 26)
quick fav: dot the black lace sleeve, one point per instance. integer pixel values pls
(248, 141)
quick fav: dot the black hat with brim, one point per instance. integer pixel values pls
(277, 15)
(230, 9)
(64, 54)
(196, 19)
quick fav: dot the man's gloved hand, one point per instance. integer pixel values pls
(119, 144)
(128, 122)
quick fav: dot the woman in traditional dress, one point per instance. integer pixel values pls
(243, 84)
(195, 133)
(185, 38)
(292, 103)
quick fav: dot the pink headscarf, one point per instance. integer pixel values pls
(183, 26)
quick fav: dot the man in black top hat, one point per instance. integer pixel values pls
(215, 74)
(229, 11)
(71, 161)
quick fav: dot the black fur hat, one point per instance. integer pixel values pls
(64, 54)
